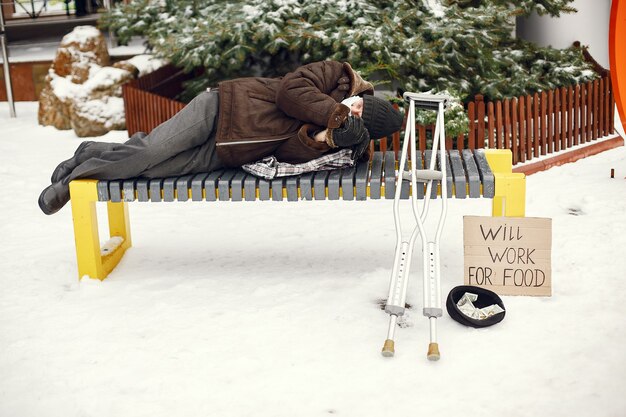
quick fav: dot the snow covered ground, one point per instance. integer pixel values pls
(271, 309)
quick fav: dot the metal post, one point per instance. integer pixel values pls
(5, 61)
(112, 39)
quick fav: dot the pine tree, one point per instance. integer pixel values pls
(463, 46)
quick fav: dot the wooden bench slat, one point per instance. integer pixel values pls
(277, 188)
(169, 184)
(155, 186)
(103, 190)
(292, 188)
(334, 183)
(236, 185)
(249, 187)
(183, 184)
(390, 174)
(347, 183)
(210, 185)
(472, 173)
(361, 178)
(128, 187)
(143, 189)
(223, 184)
(376, 175)
(115, 191)
(197, 185)
(264, 189)
(485, 173)
(306, 186)
(319, 185)
(458, 173)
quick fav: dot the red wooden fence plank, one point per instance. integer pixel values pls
(471, 115)
(506, 142)
(611, 105)
(601, 108)
(596, 109)
(543, 127)
(522, 129)
(607, 130)
(480, 133)
(563, 116)
(536, 146)
(553, 102)
(396, 144)
(576, 115)
(589, 110)
(460, 139)
(514, 130)
(529, 128)
(490, 125)
(583, 114)
(422, 137)
(570, 116)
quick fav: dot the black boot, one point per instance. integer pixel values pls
(54, 197)
(66, 167)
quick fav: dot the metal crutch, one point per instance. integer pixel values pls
(396, 299)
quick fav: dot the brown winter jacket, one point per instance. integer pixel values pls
(259, 117)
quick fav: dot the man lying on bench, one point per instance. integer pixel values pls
(309, 113)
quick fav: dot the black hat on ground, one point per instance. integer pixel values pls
(379, 116)
(485, 299)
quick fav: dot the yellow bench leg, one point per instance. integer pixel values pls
(510, 193)
(92, 260)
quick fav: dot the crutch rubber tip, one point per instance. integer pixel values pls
(388, 348)
(433, 352)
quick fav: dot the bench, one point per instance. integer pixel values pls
(471, 173)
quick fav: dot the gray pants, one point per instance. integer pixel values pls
(185, 144)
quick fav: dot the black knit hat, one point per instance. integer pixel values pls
(485, 298)
(379, 116)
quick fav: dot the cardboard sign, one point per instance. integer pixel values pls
(508, 255)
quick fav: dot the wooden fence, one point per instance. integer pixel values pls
(542, 123)
(149, 100)
(531, 126)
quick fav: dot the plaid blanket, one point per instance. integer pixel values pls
(269, 167)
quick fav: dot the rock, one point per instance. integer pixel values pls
(100, 108)
(126, 65)
(81, 91)
(79, 52)
(52, 111)
(95, 117)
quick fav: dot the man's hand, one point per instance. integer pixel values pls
(343, 86)
(350, 133)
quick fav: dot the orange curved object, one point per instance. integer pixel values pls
(617, 55)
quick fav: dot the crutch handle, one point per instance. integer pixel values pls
(388, 348)
(433, 352)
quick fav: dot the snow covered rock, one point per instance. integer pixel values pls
(81, 91)
(98, 107)
(81, 51)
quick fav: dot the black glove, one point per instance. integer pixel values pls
(350, 133)
(359, 149)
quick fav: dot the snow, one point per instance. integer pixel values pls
(106, 110)
(436, 7)
(271, 309)
(81, 35)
